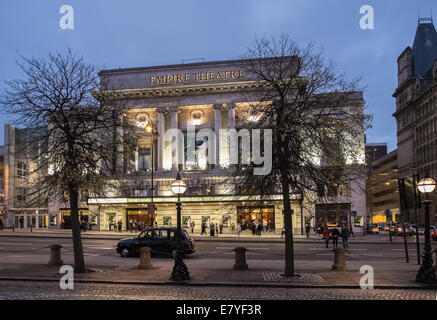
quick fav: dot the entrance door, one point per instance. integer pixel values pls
(139, 217)
(248, 216)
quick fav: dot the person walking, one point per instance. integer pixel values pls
(345, 237)
(326, 235)
(131, 224)
(216, 229)
(283, 232)
(238, 229)
(335, 235)
(260, 228)
(253, 228)
(203, 229)
(192, 224)
(307, 230)
(211, 229)
(120, 224)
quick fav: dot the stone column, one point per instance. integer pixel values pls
(217, 126)
(231, 125)
(161, 136)
(231, 115)
(174, 125)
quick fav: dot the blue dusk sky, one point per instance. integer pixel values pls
(135, 33)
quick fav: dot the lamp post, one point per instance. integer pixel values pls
(150, 129)
(180, 270)
(426, 272)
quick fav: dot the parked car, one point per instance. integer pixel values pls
(421, 230)
(159, 240)
(410, 230)
(381, 225)
(373, 228)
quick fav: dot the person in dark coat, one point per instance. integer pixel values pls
(211, 230)
(307, 230)
(259, 229)
(345, 237)
(335, 235)
(203, 229)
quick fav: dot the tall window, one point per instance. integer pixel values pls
(144, 159)
(21, 195)
(21, 170)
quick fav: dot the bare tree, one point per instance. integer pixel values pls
(316, 126)
(76, 133)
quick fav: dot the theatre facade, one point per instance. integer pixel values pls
(207, 95)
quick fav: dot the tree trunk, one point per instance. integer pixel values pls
(79, 261)
(288, 225)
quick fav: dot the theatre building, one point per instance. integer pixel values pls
(207, 95)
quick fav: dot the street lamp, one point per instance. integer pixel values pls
(180, 270)
(150, 129)
(426, 272)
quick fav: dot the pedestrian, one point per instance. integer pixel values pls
(253, 228)
(120, 225)
(109, 224)
(326, 235)
(283, 232)
(211, 229)
(1, 223)
(307, 230)
(221, 228)
(238, 229)
(233, 227)
(335, 235)
(131, 224)
(259, 229)
(345, 237)
(192, 224)
(216, 229)
(203, 229)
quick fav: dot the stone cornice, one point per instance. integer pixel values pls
(183, 90)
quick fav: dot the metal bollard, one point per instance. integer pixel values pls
(339, 260)
(55, 255)
(240, 259)
(145, 262)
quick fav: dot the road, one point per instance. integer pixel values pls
(12, 248)
(50, 290)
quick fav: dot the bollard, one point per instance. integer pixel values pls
(55, 255)
(240, 259)
(145, 262)
(339, 260)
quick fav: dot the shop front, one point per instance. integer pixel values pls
(224, 211)
(83, 216)
(250, 216)
(32, 218)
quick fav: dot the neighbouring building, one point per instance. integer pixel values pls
(416, 106)
(21, 205)
(383, 189)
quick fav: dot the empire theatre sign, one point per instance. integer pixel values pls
(184, 78)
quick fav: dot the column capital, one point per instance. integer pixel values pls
(161, 109)
(231, 105)
(174, 109)
(218, 106)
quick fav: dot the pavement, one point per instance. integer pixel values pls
(244, 237)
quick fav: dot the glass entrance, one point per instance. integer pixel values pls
(248, 216)
(138, 219)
